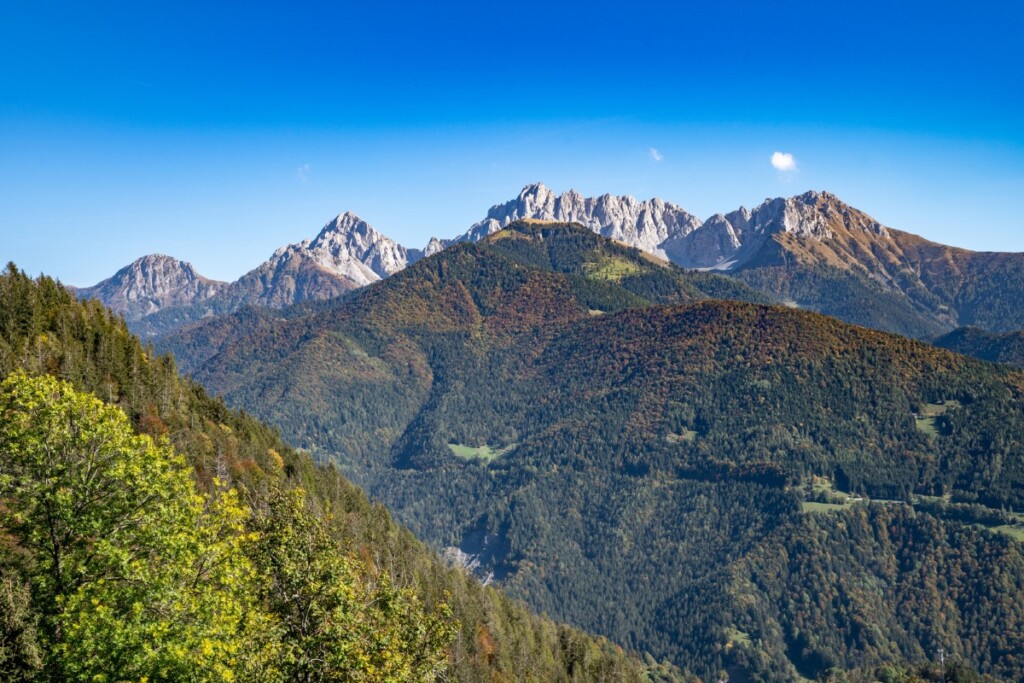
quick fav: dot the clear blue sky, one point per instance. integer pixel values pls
(218, 132)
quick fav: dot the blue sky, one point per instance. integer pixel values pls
(217, 132)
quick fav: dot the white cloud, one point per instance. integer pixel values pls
(783, 161)
(303, 172)
(655, 154)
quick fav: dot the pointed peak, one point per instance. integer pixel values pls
(535, 193)
(155, 259)
(534, 189)
(345, 225)
(345, 220)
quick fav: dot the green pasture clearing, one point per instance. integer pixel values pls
(929, 426)
(737, 637)
(687, 436)
(931, 418)
(811, 507)
(506, 234)
(1013, 531)
(934, 409)
(483, 453)
(610, 268)
(823, 487)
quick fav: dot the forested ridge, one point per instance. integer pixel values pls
(212, 550)
(1007, 347)
(737, 487)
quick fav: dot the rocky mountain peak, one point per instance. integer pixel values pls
(811, 215)
(652, 225)
(822, 215)
(346, 225)
(537, 192)
(150, 283)
(159, 266)
(433, 246)
(349, 238)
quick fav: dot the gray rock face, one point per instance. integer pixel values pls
(726, 242)
(435, 245)
(654, 225)
(350, 238)
(713, 243)
(346, 254)
(812, 215)
(151, 283)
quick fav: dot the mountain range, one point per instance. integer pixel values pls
(627, 445)
(811, 250)
(157, 293)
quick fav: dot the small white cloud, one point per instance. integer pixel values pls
(304, 171)
(783, 161)
(655, 154)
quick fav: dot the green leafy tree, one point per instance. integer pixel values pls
(135, 574)
(340, 622)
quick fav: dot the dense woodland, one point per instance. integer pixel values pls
(151, 533)
(629, 456)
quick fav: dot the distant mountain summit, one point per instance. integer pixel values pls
(347, 253)
(654, 226)
(349, 238)
(150, 284)
(730, 241)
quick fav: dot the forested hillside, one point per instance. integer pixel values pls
(152, 533)
(1007, 347)
(736, 487)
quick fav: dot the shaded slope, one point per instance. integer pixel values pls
(998, 348)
